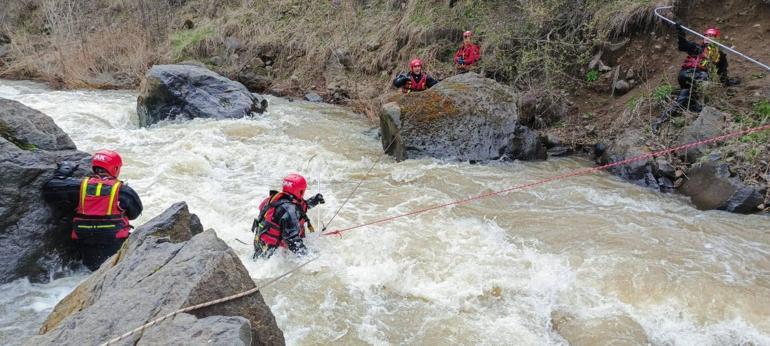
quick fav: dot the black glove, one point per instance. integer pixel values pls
(461, 61)
(65, 170)
(316, 200)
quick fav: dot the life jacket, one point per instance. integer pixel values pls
(267, 229)
(98, 215)
(709, 55)
(413, 85)
(470, 53)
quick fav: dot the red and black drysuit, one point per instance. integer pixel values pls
(101, 206)
(281, 223)
(413, 82)
(702, 61)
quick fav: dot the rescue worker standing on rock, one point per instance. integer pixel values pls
(415, 80)
(102, 205)
(282, 218)
(468, 54)
(702, 62)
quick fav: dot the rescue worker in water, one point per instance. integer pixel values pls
(102, 206)
(282, 218)
(415, 80)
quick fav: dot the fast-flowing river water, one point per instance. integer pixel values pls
(588, 258)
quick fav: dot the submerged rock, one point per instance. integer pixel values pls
(465, 117)
(610, 330)
(188, 91)
(34, 238)
(164, 266)
(710, 186)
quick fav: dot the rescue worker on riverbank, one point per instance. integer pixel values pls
(704, 62)
(467, 55)
(102, 206)
(282, 218)
(415, 80)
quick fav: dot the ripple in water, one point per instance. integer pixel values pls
(498, 271)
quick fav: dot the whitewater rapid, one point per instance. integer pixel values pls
(503, 270)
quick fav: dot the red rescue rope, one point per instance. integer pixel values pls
(573, 173)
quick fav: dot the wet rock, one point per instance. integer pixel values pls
(540, 108)
(621, 87)
(156, 273)
(313, 97)
(465, 117)
(709, 123)
(559, 151)
(627, 145)
(255, 82)
(187, 92)
(31, 129)
(34, 238)
(711, 186)
(665, 168)
(608, 331)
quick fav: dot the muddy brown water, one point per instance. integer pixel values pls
(583, 261)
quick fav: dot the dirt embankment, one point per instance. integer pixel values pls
(349, 51)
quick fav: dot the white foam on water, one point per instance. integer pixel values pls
(489, 272)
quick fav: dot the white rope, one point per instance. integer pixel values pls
(209, 303)
(715, 42)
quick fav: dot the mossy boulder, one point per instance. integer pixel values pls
(465, 117)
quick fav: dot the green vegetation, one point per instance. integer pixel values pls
(592, 76)
(662, 94)
(182, 42)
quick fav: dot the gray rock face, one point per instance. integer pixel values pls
(465, 117)
(710, 186)
(187, 92)
(313, 97)
(157, 272)
(709, 123)
(630, 144)
(34, 238)
(29, 128)
(185, 329)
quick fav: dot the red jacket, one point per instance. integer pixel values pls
(470, 53)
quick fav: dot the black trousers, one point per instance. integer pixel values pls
(94, 253)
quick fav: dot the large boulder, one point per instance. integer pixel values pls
(465, 117)
(642, 172)
(189, 91)
(164, 266)
(710, 123)
(711, 186)
(34, 238)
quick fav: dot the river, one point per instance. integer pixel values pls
(512, 269)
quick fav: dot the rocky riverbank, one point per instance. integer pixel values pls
(167, 264)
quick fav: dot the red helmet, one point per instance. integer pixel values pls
(467, 34)
(713, 32)
(295, 185)
(414, 63)
(109, 160)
